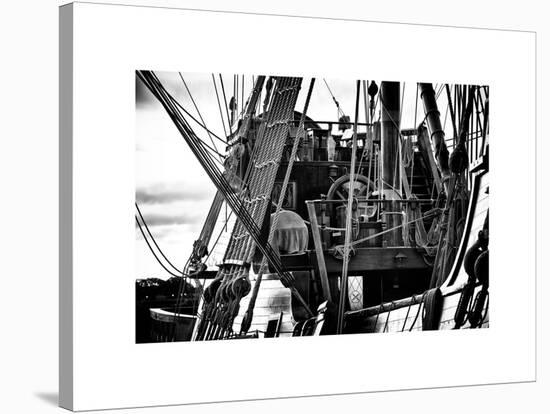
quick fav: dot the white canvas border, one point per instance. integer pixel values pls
(110, 42)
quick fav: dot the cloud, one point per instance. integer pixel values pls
(172, 233)
(157, 219)
(161, 193)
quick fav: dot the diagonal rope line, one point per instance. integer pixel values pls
(245, 325)
(226, 106)
(235, 203)
(154, 241)
(219, 105)
(153, 251)
(339, 108)
(197, 109)
(347, 244)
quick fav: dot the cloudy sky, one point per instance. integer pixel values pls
(172, 190)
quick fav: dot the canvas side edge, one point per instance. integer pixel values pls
(66, 207)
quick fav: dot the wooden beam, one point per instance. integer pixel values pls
(320, 262)
(295, 262)
(427, 95)
(370, 259)
(451, 297)
(425, 148)
(390, 112)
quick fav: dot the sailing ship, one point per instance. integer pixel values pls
(346, 226)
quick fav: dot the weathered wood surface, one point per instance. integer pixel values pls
(319, 256)
(273, 298)
(399, 321)
(481, 209)
(376, 258)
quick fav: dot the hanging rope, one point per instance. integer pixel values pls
(170, 272)
(455, 204)
(247, 319)
(230, 127)
(427, 240)
(209, 131)
(201, 245)
(227, 288)
(196, 146)
(433, 212)
(197, 109)
(411, 180)
(219, 105)
(347, 243)
(338, 108)
(154, 241)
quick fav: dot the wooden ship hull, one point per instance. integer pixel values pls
(396, 221)
(408, 314)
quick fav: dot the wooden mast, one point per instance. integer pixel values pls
(427, 94)
(200, 246)
(390, 154)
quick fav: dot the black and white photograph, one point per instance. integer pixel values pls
(271, 206)
(275, 207)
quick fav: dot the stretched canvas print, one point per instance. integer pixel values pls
(257, 206)
(314, 206)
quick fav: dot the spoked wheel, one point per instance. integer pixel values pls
(362, 188)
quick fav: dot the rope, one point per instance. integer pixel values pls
(247, 319)
(154, 241)
(427, 240)
(406, 317)
(435, 211)
(197, 109)
(223, 229)
(365, 149)
(208, 131)
(420, 306)
(416, 126)
(347, 244)
(219, 105)
(387, 320)
(369, 129)
(226, 106)
(153, 252)
(338, 108)
(226, 298)
(167, 101)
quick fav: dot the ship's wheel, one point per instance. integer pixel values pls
(362, 188)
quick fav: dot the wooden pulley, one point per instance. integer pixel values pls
(475, 317)
(373, 89)
(211, 290)
(470, 258)
(481, 268)
(458, 162)
(241, 287)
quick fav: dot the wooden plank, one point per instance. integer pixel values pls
(319, 251)
(292, 262)
(397, 318)
(376, 258)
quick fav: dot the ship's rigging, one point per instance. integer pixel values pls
(386, 198)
